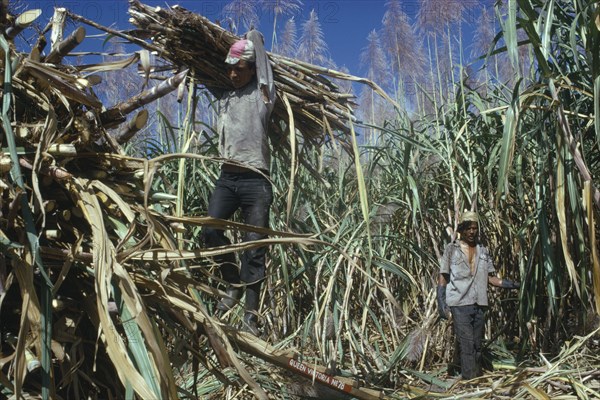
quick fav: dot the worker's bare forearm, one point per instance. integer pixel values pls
(443, 279)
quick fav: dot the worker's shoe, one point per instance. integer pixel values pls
(230, 300)
(250, 321)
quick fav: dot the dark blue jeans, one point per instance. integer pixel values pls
(468, 328)
(252, 193)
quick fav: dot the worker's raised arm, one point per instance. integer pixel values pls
(264, 72)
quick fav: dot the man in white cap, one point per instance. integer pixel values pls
(465, 272)
(244, 115)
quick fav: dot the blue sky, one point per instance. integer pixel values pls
(345, 23)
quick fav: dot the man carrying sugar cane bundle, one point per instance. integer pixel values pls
(466, 270)
(244, 115)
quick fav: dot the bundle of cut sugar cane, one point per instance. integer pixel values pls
(191, 40)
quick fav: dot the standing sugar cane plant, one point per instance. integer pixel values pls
(557, 149)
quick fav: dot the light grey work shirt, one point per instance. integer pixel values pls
(467, 286)
(244, 114)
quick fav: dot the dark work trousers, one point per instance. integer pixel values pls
(252, 193)
(468, 328)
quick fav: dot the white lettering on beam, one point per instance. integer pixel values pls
(319, 376)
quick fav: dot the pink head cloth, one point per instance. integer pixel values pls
(241, 50)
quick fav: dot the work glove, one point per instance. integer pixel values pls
(508, 284)
(443, 308)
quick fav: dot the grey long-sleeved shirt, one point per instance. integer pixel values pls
(467, 286)
(244, 114)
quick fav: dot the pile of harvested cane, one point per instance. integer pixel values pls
(70, 202)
